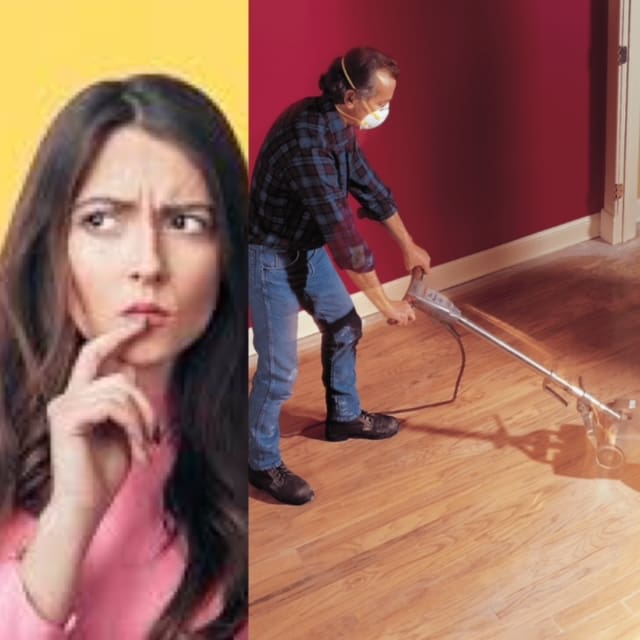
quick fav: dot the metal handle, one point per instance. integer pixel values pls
(418, 284)
(438, 305)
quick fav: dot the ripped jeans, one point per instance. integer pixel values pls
(280, 284)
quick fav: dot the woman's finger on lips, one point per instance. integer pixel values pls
(95, 352)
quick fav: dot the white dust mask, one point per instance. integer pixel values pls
(375, 118)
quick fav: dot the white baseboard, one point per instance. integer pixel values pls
(450, 274)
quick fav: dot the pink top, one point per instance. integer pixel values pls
(128, 575)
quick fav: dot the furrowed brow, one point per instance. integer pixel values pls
(116, 203)
(188, 207)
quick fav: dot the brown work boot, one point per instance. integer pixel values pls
(374, 426)
(282, 484)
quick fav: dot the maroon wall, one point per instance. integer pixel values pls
(497, 127)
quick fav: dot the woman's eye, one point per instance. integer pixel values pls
(189, 223)
(99, 220)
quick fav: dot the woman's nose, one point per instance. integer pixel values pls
(147, 260)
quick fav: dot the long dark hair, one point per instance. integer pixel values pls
(205, 494)
(361, 64)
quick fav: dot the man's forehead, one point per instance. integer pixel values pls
(384, 84)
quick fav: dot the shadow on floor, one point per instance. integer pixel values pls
(567, 450)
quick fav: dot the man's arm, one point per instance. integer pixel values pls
(396, 311)
(379, 205)
(414, 256)
(314, 178)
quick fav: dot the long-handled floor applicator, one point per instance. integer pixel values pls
(613, 429)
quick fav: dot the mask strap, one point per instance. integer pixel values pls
(346, 75)
(346, 115)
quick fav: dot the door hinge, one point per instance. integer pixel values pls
(623, 55)
(618, 191)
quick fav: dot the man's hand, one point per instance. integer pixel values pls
(415, 256)
(400, 312)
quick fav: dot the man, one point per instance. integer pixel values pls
(308, 165)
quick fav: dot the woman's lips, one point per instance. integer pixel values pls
(154, 314)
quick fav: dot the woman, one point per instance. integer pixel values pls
(123, 373)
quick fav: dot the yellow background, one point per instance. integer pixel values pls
(50, 49)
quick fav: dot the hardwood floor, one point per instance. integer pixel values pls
(484, 519)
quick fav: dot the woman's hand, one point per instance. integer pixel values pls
(100, 422)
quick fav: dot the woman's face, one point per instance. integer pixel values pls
(143, 243)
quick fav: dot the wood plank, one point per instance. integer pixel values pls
(487, 518)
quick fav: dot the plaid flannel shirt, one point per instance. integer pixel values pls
(307, 166)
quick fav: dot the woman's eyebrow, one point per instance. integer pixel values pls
(119, 203)
(186, 207)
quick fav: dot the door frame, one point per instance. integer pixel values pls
(620, 215)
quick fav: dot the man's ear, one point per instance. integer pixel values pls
(349, 98)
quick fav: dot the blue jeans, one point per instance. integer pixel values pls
(280, 284)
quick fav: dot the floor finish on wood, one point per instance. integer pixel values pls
(484, 519)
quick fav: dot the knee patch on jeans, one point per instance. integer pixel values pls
(345, 330)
